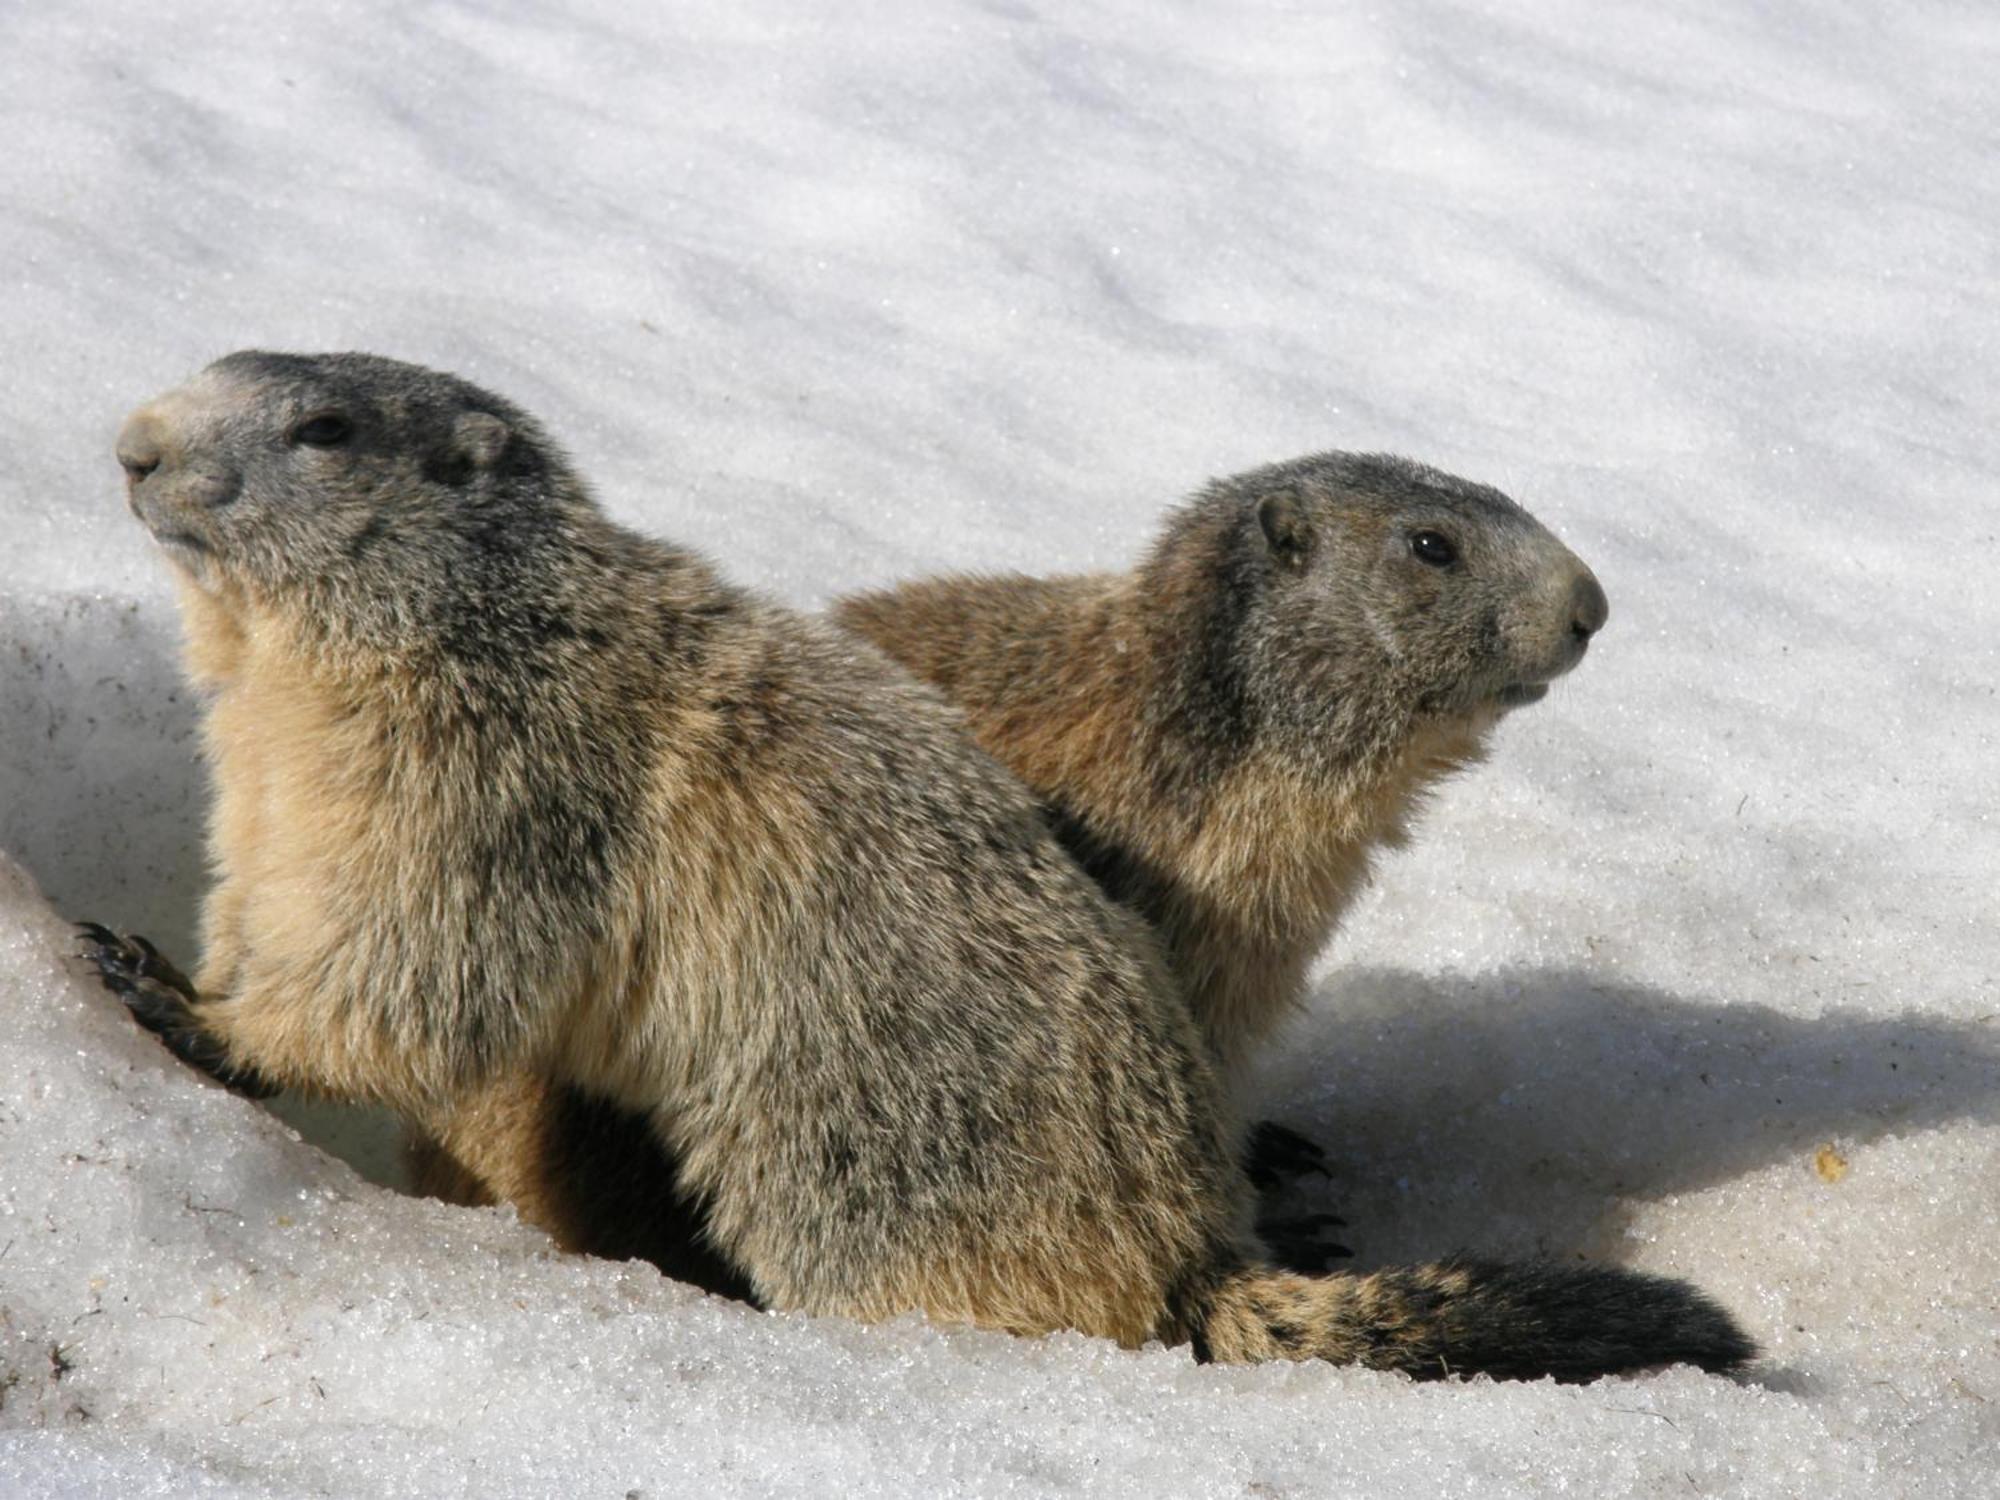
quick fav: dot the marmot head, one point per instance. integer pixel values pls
(1368, 593)
(272, 471)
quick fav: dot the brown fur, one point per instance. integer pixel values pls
(1228, 741)
(1244, 823)
(503, 788)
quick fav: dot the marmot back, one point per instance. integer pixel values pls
(503, 787)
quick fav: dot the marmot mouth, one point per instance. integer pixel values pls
(185, 539)
(1521, 694)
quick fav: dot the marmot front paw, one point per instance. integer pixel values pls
(162, 1000)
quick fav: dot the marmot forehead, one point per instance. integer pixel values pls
(391, 387)
(1384, 481)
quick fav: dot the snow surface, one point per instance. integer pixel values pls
(1701, 974)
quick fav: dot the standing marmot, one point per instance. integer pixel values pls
(1225, 736)
(503, 786)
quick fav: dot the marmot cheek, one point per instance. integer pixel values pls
(1533, 642)
(184, 501)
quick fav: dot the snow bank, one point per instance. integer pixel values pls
(198, 1302)
(1700, 974)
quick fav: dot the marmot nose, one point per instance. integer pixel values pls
(1588, 608)
(140, 449)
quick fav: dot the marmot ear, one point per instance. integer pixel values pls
(480, 438)
(1286, 527)
(477, 444)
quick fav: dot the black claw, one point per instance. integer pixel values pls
(1311, 1258)
(1295, 1242)
(1275, 1153)
(160, 999)
(117, 961)
(1305, 1223)
(154, 965)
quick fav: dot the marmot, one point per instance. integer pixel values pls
(1224, 736)
(1231, 731)
(504, 786)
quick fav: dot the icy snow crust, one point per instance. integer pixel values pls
(1698, 975)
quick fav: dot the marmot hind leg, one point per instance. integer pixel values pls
(594, 1176)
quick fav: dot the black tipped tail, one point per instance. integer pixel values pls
(1575, 1322)
(1468, 1317)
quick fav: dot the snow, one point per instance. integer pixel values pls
(847, 294)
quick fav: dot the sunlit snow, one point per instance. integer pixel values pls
(842, 294)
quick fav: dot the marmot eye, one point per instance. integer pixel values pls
(1434, 548)
(327, 430)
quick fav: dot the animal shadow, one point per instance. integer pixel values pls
(1514, 1112)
